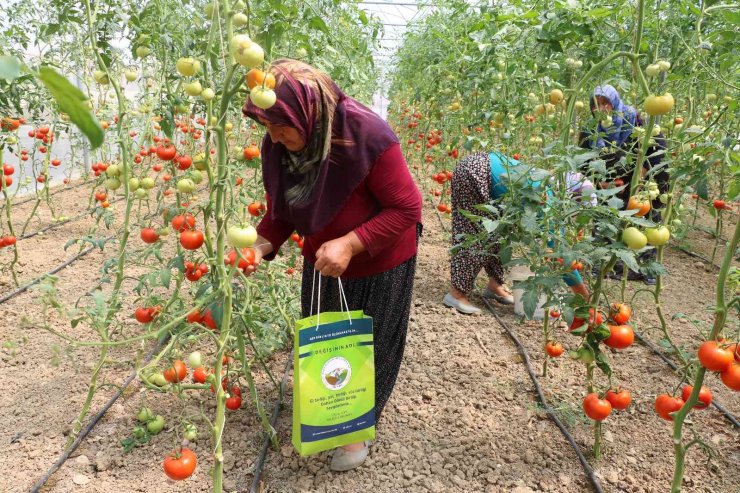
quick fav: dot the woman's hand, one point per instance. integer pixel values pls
(333, 257)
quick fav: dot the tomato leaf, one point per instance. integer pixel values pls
(217, 313)
(71, 101)
(603, 363)
(165, 276)
(530, 301)
(628, 258)
(602, 332)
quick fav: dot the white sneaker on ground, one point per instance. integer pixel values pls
(504, 300)
(460, 306)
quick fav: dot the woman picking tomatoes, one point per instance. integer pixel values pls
(616, 137)
(477, 179)
(334, 172)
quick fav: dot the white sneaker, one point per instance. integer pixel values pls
(504, 300)
(460, 306)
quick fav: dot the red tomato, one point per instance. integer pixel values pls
(55, 162)
(665, 404)
(731, 377)
(191, 239)
(183, 222)
(144, 315)
(184, 162)
(149, 235)
(705, 396)
(713, 357)
(180, 465)
(620, 313)
(620, 399)
(622, 336)
(295, 237)
(177, 372)
(166, 152)
(200, 375)
(8, 169)
(255, 209)
(245, 262)
(208, 320)
(554, 349)
(719, 204)
(595, 408)
(194, 317)
(234, 402)
(251, 152)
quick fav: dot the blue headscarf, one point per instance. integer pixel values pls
(624, 118)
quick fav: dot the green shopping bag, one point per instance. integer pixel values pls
(333, 381)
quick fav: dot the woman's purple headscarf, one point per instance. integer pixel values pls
(624, 118)
(343, 141)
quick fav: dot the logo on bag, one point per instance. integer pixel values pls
(336, 373)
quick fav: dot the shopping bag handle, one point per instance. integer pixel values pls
(342, 298)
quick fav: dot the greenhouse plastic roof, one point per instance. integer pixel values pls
(396, 16)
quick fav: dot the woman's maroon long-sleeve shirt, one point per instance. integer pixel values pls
(383, 211)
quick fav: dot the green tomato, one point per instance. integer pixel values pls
(101, 77)
(156, 425)
(11, 139)
(186, 185)
(676, 222)
(190, 432)
(193, 88)
(246, 52)
(584, 355)
(158, 379)
(207, 94)
(164, 231)
(139, 432)
(657, 236)
(187, 66)
(147, 182)
(196, 176)
(133, 184)
(141, 193)
(195, 359)
(130, 75)
(210, 9)
(113, 171)
(145, 414)
(652, 70)
(142, 51)
(240, 19)
(262, 97)
(633, 238)
(239, 237)
(112, 184)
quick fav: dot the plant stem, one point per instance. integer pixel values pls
(720, 316)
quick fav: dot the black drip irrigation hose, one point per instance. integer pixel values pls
(94, 421)
(696, 255)
(260, 462)
(61, 223)
(730, 417)
(59, 190)
(56, 269)
(548, 410)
